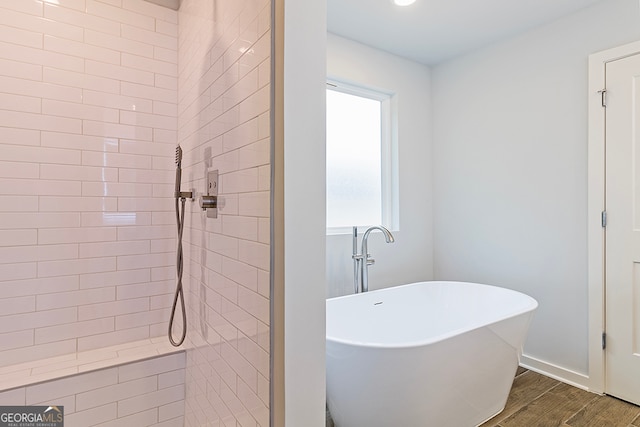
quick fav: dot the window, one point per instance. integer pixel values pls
(359, 158)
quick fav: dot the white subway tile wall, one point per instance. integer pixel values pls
(88, 127)
(146, 393)
(90, 94)
(223, 123)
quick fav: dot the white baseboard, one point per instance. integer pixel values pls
(565, 375)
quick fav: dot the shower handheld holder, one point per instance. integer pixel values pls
(184, 195)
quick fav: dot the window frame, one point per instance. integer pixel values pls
(388, 152)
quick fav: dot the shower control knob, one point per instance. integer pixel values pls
(208, 202)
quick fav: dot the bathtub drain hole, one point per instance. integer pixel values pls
(378, 303)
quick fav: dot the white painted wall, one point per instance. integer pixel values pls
(303, 25)
(409, 259)
(510, 171)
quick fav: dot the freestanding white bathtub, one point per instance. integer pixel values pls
(425, 354)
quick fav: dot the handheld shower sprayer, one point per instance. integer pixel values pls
(180, 197)
(177, 193)
(178, 171)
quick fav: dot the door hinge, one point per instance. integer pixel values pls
(603, 219)
(603, 97)
(604, 340)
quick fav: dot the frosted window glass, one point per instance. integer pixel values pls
(354, 175)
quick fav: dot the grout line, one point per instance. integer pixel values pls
(546, 391)
(578, 411)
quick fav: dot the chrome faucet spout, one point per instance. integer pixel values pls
(387, 234)
(363, 260)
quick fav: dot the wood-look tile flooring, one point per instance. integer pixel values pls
(539, 401)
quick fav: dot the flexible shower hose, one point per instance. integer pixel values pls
(179, 267)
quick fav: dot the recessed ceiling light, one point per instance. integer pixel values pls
(403, 2)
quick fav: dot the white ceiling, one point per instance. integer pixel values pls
(432, 31)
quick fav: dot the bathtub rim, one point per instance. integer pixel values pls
(529, 309)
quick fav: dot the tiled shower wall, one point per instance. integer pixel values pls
(146, 393)
(224, 101)
(88, 92)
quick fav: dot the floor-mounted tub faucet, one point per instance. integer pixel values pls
(362, 261)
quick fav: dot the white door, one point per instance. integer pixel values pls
(623, 229)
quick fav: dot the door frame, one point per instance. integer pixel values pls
(595, 205)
